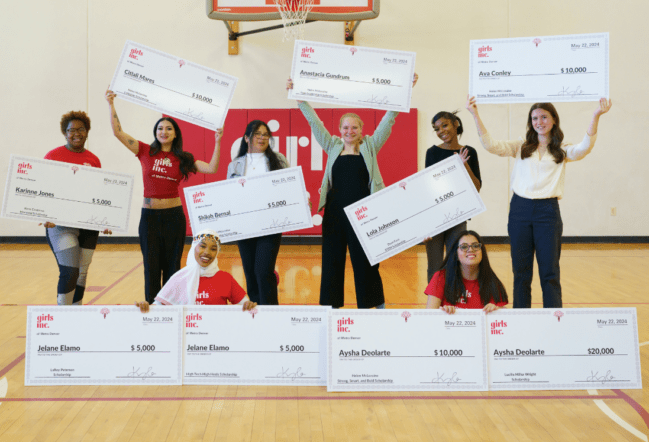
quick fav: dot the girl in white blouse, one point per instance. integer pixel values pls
(537, 182)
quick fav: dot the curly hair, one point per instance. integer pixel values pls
(532, 138)
(75, 115)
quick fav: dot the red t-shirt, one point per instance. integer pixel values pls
(438, 283)
(62, 154)
(160, 173)
(219, 289)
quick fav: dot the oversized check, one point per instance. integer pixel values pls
(539, 69)
(564, 349)
(269, 345)
(67, 194)
(352, 75)
(402, 350)
(248, 207)
(103, 345)
(419, 206)
(173, 86)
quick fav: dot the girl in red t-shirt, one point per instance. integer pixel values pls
(466, 279)
(201, 282)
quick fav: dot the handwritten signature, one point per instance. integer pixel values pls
(193, 114)
(285, 374)
(278, 223)
(136, 373)
(566, 91)
(451, 216)
(594, 377)
(440, 379)
(378, 100)
(100, 222)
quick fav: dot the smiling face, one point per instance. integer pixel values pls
(205, 251)
(165, 132)
(259, 140)
(351, 130)
(469, 257)
(542, 121)
(446, 130)
(76, 134)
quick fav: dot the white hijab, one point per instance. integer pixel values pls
(182, 287)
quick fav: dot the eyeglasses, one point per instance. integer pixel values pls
(81, 130)
(261, 135)
(475, 247)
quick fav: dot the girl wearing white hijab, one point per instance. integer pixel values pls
(201, 281)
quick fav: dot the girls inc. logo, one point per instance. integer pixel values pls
(160, 164)
(359, 213)
(24, 167)
(342, 323)
(191, 320)
(482, 51)
(42, 321)
(306, 52)
(496, 327)
(197, 197)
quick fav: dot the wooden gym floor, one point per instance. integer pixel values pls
(592, 276)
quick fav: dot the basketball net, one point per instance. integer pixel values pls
(294, 13)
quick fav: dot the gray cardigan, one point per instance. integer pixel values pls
(333, 146)
(237, 167)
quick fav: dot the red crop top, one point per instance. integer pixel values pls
(160, 173)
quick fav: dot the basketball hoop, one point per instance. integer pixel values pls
(294, 13)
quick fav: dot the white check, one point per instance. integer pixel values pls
(401, 350)
(419, 206)
(269, 345)
(564, 349)
(540, 69)
(103, 345)
(248, 207)
(352, 75)
(67, 194)
(173, 86)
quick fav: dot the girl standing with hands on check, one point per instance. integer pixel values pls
(351, 174)
(537, 182)
(163, 223)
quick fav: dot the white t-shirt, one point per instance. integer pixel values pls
(256, 164)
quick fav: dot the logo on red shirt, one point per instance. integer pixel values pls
(160, 163)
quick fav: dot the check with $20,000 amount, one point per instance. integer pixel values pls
(392, 350)
(103, 345)
(269, 345)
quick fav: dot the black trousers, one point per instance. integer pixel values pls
(535, 226)
(162, 237)
(337, 235)
(258, 256)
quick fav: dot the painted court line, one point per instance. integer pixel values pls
(12, 365)
(644, 343)
(104, 291)
(636, 406)
(618, 420)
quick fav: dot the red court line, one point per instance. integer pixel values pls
(12, 365)
(636, 406)
(103, 292)
(296, 398)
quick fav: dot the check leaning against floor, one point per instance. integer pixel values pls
(352, 75)
(402, 350)
(67, 194)
(103, 345)
(248, 207)
(419, 206)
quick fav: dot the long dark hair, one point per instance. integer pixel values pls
(491, 289)
(532, 138)
(273, 160)
(187, 162)
(449, 116)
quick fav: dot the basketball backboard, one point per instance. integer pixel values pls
(257, 10)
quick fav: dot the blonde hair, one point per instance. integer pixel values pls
(350, 115)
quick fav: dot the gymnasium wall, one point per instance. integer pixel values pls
(60, 56)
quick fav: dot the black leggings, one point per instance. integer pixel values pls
(258, 256)
(162, 238)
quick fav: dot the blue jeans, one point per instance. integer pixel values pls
(535, 226)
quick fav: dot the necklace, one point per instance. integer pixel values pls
(252, 160)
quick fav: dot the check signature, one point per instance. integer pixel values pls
(594, 377)
(451, 216)
(193, 114)
(566, 91)
(278, 223)
(440, 379)
(285, 374)
(100, 222)
(378, 100)
(136, 373)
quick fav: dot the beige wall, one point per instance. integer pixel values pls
(59, 56)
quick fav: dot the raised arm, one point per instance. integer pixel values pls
(500, 148)
(604, 106)
(127, 140)
(213, 165)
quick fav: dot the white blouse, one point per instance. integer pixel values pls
(536, 178)
(256, 164)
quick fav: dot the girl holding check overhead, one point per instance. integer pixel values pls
(537, 182)
(162, 224)
(351, 174)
